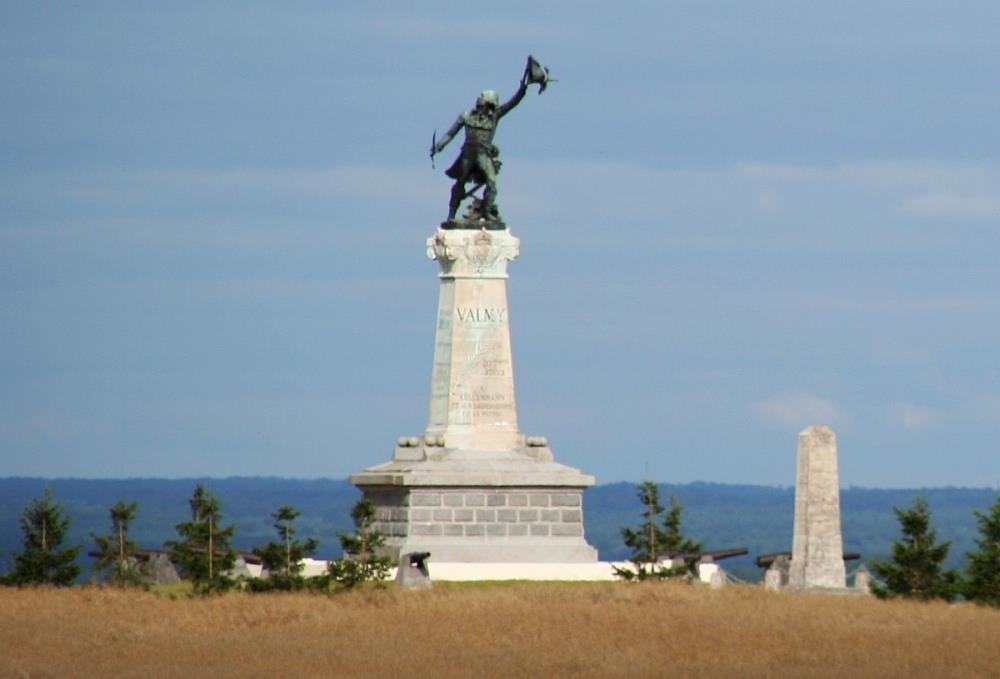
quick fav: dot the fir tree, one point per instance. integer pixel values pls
(982, 580)
(114, 551)
(650, 543)
(283, 559)
(362, 560)
(204, 555)
(674, 541)
(916, 569)
(44, 523)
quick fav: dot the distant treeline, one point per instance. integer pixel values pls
(718, 515)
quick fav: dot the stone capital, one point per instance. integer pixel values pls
(473, 253)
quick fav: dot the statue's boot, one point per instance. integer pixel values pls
(489, 208)
(457, 193)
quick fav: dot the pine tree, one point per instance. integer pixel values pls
(646, 541)
(982, 579)
(114, 551)
(674, 541)
(44, 523)
(204, 555)
(649, 543)
(362, 561)
(916, 569)
(283, 559)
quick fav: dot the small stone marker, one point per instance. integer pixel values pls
(776, 575)
(158, 570)
(817, 544)
(240, 569)
(717, 578)
(862, 580)
(412, 572)
(710, 572)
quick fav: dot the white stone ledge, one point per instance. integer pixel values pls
(498, 479)
(597, 571)
(469, 572)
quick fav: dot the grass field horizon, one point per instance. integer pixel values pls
(514, 630)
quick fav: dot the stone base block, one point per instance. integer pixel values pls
(483, 524)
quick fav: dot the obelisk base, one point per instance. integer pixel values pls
(473, 506)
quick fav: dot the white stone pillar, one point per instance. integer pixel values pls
(817, 544)
(472, 403)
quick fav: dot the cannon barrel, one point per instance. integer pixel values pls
(248, 557)
(417, 559)
(715, 555)
(765, 560)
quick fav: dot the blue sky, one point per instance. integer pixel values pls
(737, 220)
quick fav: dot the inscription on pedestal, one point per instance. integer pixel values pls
(472, 390)
(481, 315)
(481, 389)
(470, 408)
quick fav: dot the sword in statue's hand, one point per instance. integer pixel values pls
(433, 147)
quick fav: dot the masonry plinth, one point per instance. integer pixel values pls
(473, 487)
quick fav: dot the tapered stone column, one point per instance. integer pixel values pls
(473, 487)
(817, 544)
(472, 389)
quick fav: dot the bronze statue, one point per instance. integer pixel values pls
(479, 160)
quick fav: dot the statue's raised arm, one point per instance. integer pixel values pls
(479, 160)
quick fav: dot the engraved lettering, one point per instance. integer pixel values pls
(481, 314)
(495, 367)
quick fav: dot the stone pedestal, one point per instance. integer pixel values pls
(862, 581)
(776, 576)
(817, 544)
(473, 487)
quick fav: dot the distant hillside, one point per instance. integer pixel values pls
(719, 515)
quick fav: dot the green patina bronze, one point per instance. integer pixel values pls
(479, 160)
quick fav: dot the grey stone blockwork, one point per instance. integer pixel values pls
(477, 513)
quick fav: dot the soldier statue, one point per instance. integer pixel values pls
(479, 160)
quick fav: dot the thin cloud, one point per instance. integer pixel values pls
(424, 29)
(364, 181)
(853, 192)
(952, 205)
(913, 417)
(796, 411)
(769, 204)
(983, 408)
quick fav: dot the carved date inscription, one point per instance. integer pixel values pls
(495, 367)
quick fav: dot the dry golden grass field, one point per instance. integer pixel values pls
(519, 630)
